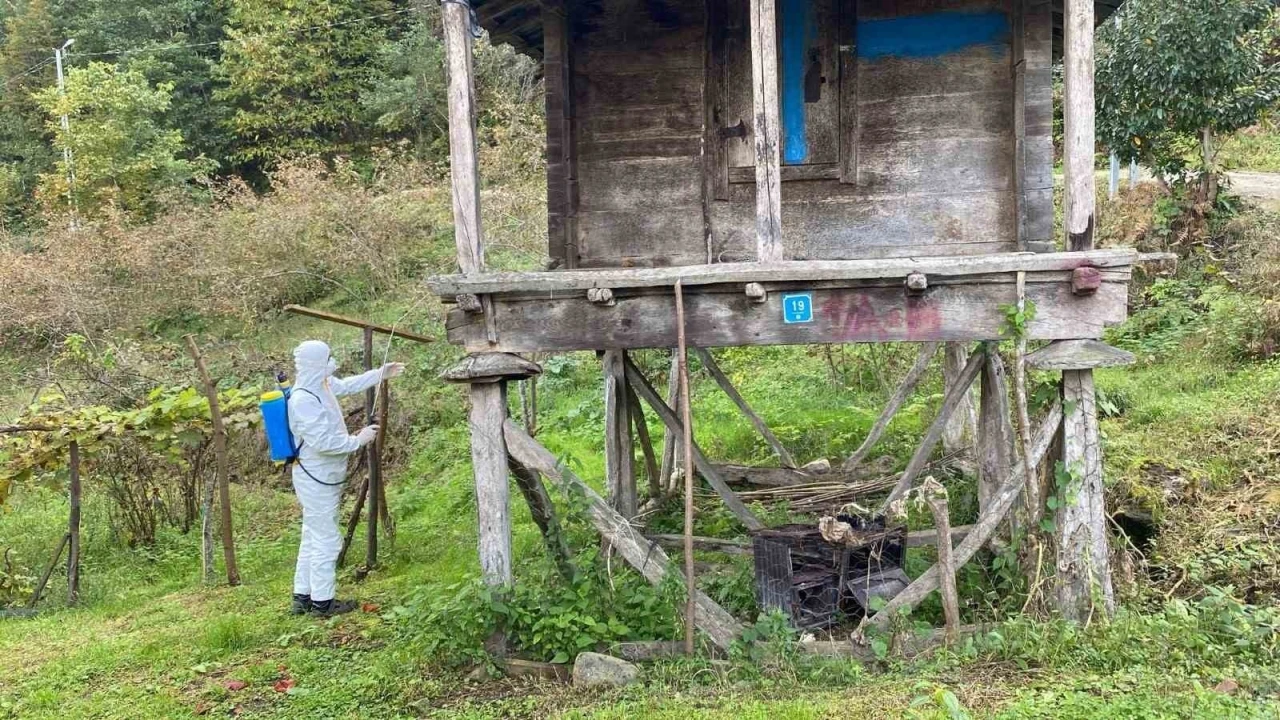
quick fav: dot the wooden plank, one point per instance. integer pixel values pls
(789, 173)
(950, 401)
(715, 110)
(449, 286)
(1078, 355)
(619, 453)
(1078, 125)
(849, 127)
(981, 531)
(905, 388)
(995, 434)
(463, 164)
(705, 467)
(557, 73)
(489, 463)
(725, 385)
(646, 557)
(764, 87)
(356, 322)
(1080, 527)
(1019, 117)
(961, 312)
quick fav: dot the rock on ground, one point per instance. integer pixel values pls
(596, 670)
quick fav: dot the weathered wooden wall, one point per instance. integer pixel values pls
(931, 138)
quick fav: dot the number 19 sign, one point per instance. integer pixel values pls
(797, 308)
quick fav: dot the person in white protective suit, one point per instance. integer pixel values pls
(320, 432)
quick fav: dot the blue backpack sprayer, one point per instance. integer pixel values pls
(275, 421)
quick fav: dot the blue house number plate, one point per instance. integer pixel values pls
(797, 308)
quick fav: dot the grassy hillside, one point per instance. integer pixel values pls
(1189, 434)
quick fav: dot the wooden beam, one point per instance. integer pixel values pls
(934, 434)
(705, 467)
(463, 164)
(1078, 125)
(739, 273)
(1078, 355)
(651, 470)
(543, 512)
(908, 385)
(1080, 534)
(723, 381)
(619, 452)
(645, 556)
(764, 93)
(981, 531)
(489, 463)
(356, 322)
(960, 312)
(916, 538)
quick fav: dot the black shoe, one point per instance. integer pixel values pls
(331, 607)
(301, 604)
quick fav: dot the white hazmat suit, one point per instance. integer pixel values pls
(320, 431)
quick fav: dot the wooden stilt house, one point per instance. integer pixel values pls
(798, 171)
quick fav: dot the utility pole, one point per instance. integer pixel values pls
(59, 54)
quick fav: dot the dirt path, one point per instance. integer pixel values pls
(1262, 187)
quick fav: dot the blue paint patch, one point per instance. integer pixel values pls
(932, 35)
(799, 26)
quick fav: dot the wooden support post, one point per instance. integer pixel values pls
(764, 87)
(73, 525)
(562, 173)
(722, 380)
(935, 496)
(619, 453)
(646, 443)
(1083, 562)
(372, 460)
(462, 137)
(1078, 118)
(544, 516)
(927, 351)
(705, 467)
(981, 531)
(646, 557)
(931, 438)
(222, 463)
(670, 440)
(961, 432)
(489, 462)
(995, 437)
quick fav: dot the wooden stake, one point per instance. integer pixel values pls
(646, 443)
(931, 438)
(372, 461)
(935, 495)
(722, 380)
(48, 571)
(687, 441)
(73, 526)
(223, 463)
(981, 531)
(353, 521)
(670, 441)
(1031, 495)
(764, 92)
(646, 557)
(705, 467)
(917, 371)
(380, 442)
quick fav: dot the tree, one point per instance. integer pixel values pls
(407, 96)
(1175, 75)
(295, 72)
(26, 65)
(120, 154)
(168, 41)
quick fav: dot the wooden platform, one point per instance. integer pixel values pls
(849, 301)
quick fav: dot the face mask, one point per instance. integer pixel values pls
(332, 367)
